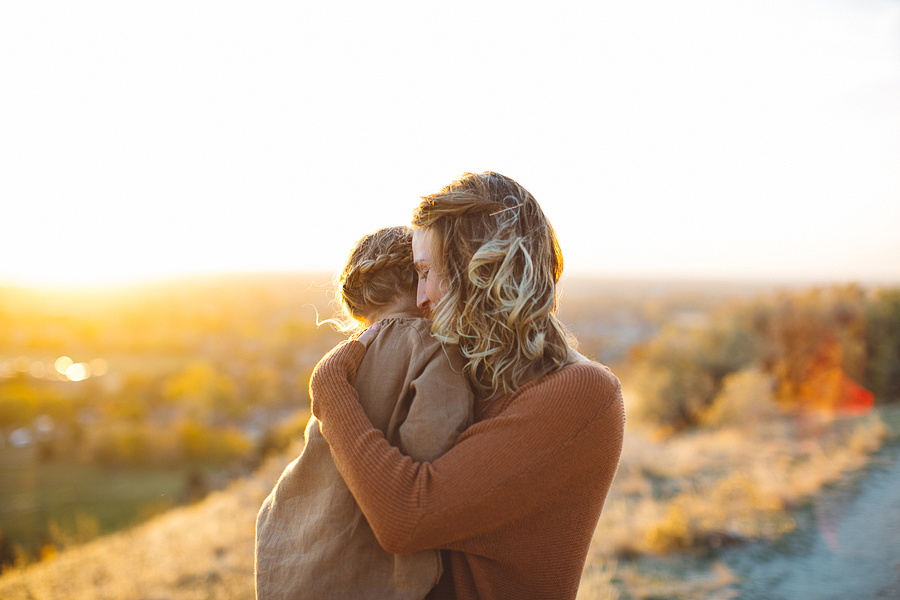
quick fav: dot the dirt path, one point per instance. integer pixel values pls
(848, 547)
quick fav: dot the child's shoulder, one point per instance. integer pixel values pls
(408, 325)
(412, 335)
(412, 330)
(410, 320)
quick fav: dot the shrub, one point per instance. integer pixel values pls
(745, 398)
(679, 372)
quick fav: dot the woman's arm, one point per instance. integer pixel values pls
(553, 437)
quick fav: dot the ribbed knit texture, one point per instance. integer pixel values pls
(513, 504)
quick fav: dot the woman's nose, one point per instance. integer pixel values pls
(421, 297)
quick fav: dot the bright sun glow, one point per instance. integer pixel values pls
(78, 372)
(698, 138)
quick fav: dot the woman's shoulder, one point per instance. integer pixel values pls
(582, 387)
(578, 373)
(582, 397)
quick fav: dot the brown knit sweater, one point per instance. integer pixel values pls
(512, 505)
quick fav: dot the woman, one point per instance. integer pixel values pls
(514, 503)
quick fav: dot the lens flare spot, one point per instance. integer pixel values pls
(62, 364)
(78, 372)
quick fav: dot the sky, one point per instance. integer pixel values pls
(706, 140)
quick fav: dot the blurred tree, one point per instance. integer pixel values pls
(745, 398)
(681, 370)
(814, 341)
(200, 442)
(203, 386)
(882, 374)
(18, 402)
(816, 346)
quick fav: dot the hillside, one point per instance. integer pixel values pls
(200, 551)
(742, 412)
(705, 491)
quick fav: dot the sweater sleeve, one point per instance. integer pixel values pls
(553, 435)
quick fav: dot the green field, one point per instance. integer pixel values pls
(82, 500)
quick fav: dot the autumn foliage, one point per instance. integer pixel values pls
(831, 351)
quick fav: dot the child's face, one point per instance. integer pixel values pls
(431, 286)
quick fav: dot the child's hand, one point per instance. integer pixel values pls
(369, 334)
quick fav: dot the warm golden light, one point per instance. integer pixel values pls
(99, 367)
(37, 369)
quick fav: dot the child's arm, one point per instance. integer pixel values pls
(441, 408)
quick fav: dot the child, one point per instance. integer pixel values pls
(312, 540)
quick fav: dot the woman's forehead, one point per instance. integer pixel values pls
(423, 245)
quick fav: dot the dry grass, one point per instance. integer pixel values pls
(710, 489)
(714, 583)
(706, 489)
(204, 551)
(596, 581)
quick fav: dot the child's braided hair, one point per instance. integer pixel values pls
(379, 269)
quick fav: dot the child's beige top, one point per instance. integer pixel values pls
(312, 540)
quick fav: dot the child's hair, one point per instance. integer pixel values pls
(379, 268)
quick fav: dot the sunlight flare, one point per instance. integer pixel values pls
(62, 364)
(78, 372)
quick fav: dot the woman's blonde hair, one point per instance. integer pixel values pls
(501, 263)
(379, 268)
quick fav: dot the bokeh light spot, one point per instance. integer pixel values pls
(37, 369)
(62, 364)
(78, 372)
